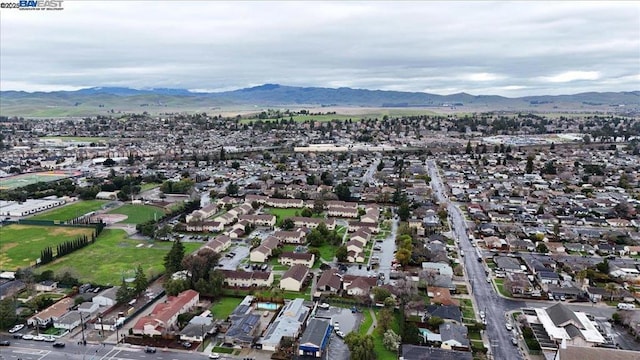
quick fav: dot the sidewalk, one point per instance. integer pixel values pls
(374, 323)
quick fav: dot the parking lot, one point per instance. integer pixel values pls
(347, 322)
(240, 252)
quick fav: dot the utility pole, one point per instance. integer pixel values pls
(84, 342)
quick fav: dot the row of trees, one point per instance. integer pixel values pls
(65, 248)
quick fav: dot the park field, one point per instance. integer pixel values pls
(20, 245)
(113, 256)
(138, 214)
(71, 211)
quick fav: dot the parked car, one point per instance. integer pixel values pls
(514, 341)
(58, 344)
(324, 306)
(16, 328)
(38, 338)
(186, 344)
(27, 337)
(214, 356)
(150, 350)
(508, 326)
(49, 338)
(340, 334)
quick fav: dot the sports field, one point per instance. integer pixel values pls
(21, 244)
(70, 211)
(138, 214)
(113, 256)
(21, 180)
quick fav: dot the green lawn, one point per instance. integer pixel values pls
(20, 245)
(222, 308)
(138, 214)
(500, 286)
(327, 252)
(149, 186)
(367, 320)
(114, 255)
(282, 214)
(70, 211)
(381, 352)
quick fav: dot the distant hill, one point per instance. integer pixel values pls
(99, 100)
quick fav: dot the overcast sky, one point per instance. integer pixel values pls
(502, 48)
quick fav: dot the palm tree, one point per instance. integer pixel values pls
(611, 288)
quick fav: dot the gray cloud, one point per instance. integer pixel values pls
(511, 49)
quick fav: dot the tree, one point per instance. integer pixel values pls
(124, 294)
(529, 167)
(468, 150)
(360, 346)
(403, 256)
(603, 266)
(287, 224)
(173, 259)
(199, 264)
(174, 287)
(380, 166)
(342, 253)
(8, 315)
(342, 191)
(232, 189)
(385, 318)
(435, 322)
(612, 289)
(404, 211)
(140, 282)
(235, 165)
(391, 340)
(380, 294)
(542, 248)
(306, 212)
(109, 162)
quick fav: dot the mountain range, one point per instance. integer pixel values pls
(96, 100)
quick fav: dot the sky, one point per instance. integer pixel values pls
(483, 48)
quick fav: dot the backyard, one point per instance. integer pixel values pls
(222, 308)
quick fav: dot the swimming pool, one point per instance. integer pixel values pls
(267, 306)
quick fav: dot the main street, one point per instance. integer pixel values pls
(36, 350)
(486, 299)
(485, 296)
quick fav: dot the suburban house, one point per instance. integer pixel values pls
(358, 285)
(414, 352)
(106, 297)
(312, 223)
(291, 258)
(164, 315)
(315, 338)
(46, 286)
(197, 329)
(517, 284)
(248, 278)
(293, 278)
(288, 323)
(69, 321)
(202, 214)
(330, 281)
(264, 250)
(563, 324)
(219, 243)
(291, 237)
(260, 220)
(51, 314)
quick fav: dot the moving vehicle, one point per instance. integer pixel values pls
(625, 306)
(150, 350)
(214, 356)
(5, 343)
(58, 344)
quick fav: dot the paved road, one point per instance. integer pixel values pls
(486, 299)
(35, 350)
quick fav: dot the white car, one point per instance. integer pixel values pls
(49, 339)
(324, 306)
(16, 328)
(27, 337)
(214, 356)
(38, 338)
(340, 334)
(508, 326)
